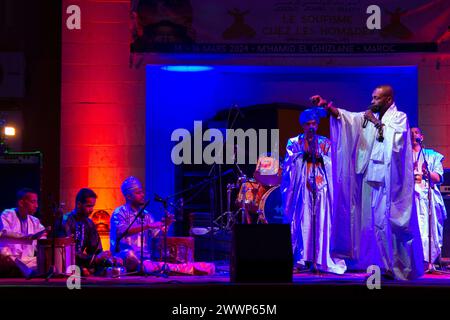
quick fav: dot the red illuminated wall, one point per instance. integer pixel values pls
(102, 104)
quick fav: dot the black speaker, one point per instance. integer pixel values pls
(18, 170)
(261, 253)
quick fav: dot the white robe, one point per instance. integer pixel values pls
(298, 203)
(438, 211)
(375, 218)
(10, 224)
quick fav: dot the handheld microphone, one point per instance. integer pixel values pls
(372, 107)
(419, 141)
(365, 123)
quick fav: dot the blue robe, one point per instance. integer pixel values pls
(438, 211)
(297, 202)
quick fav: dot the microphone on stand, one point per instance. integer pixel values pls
(312, 142)
(311, 132)
(235, 159)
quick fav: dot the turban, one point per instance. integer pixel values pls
(130, 184)
(312, 114)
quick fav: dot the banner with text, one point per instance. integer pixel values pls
(289, 27)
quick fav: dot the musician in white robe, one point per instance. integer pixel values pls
(18, 228)
(428, 161)
(302, 174)
(376, 220)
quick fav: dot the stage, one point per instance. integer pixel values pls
(217, 289)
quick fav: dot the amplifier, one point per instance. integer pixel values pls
(21, 157)
(446, 236)
(18, 170)
(445, 186)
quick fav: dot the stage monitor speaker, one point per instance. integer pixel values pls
(261, 253)
(18, 170)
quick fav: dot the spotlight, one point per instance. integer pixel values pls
(10, 131)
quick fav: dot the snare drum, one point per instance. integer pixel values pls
(64, 254)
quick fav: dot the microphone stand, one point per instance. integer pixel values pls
(52, 269)
(314, 192)
(164, 271)
(229, 216)
(124, 234)
(313, 148)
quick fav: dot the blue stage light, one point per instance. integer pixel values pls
(186, 68)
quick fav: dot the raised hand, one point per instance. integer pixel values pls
(328, 106)
(318, 100)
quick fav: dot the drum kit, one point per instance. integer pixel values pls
(258, 200)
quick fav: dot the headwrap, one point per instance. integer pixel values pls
(312, 114)
(130, 184)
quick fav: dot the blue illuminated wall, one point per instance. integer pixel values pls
(175, 99)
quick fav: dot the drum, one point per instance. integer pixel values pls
(179, 250)
(250, 195)
(270, 205)
(268, 171)
(64, 254)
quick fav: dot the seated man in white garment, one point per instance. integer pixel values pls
(19, 231)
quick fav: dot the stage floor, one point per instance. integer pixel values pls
(354, 279)
(218, 288)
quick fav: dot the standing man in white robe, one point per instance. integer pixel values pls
(19, 232)
(421, 187)
(300, 178)
(376, 220)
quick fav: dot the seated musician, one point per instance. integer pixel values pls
(19, 230)
(89, 255)
(126, 239)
